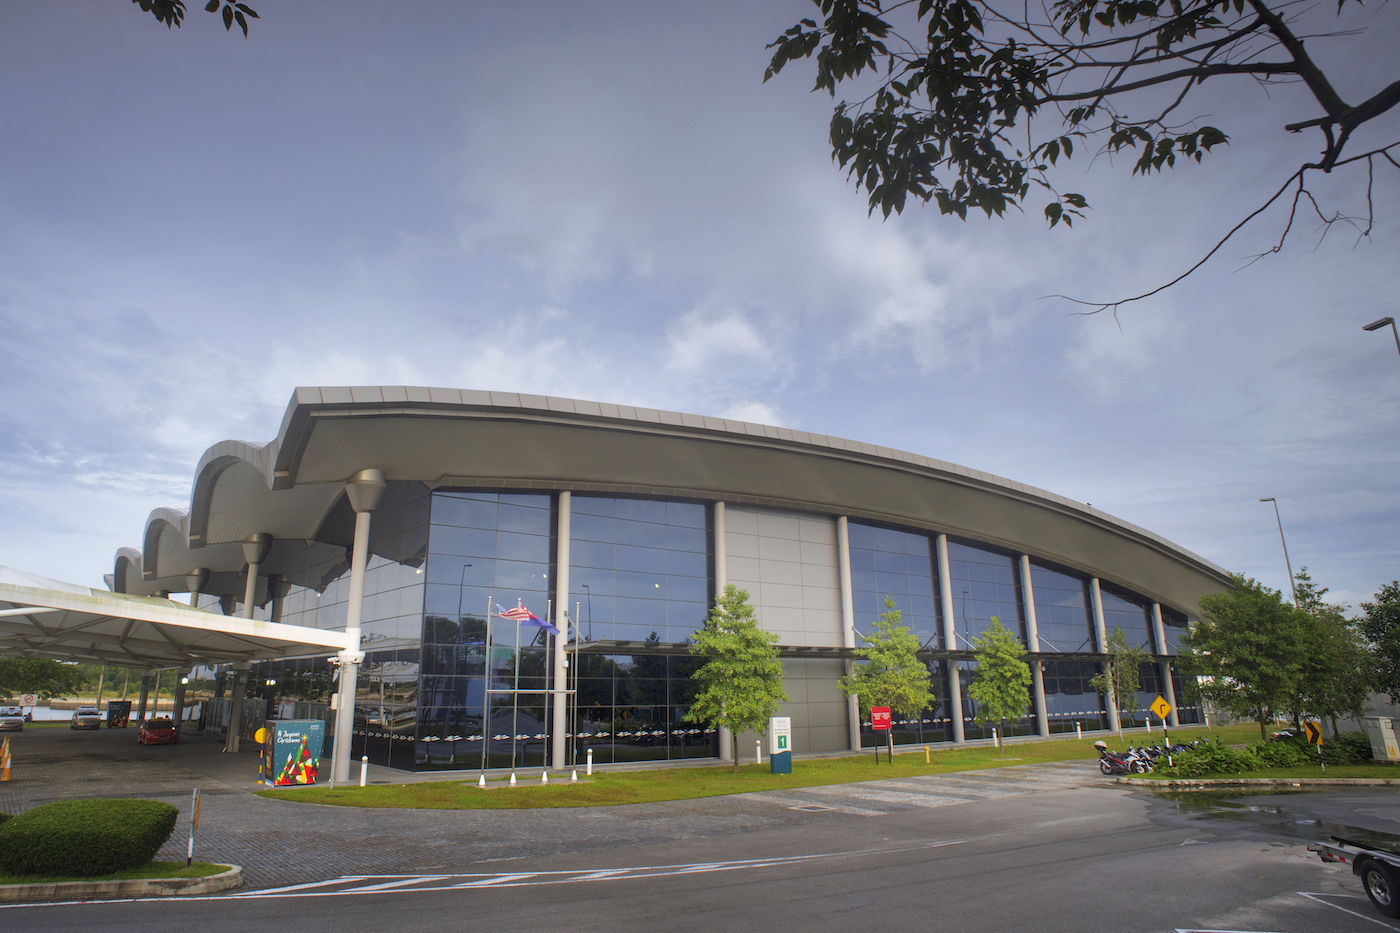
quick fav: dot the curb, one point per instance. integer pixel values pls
(1260, 782)
(134, 887)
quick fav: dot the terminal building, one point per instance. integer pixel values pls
(406, 521)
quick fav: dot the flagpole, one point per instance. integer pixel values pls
(573, 664)
(515, 694)
(486, 688)
(544, 752)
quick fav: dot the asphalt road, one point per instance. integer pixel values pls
(1091, 858)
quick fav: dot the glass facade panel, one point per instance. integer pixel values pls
(1064, 615)
(640, 568)
(985, 583)
(484, 550)
(1068, 697)
(901, 566)
(1131, 613)
(1174, 624)
(931, 725)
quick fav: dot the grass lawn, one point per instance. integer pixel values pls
(611, 788)
(153, 870)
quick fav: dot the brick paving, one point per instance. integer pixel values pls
(285, 842)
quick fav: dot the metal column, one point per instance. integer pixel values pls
(557, 756)
(725, 738)
(1042, 719)
(364, 490)
(950, 640)
(848, 623)
(1101, 633)
(1168, 689)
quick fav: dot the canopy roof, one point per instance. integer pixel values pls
(44, 618)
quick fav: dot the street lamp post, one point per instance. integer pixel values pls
(1287, 563)
(1377, 325)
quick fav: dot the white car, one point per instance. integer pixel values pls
(86, 717)
(11, 719)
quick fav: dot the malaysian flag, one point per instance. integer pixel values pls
(525, 617)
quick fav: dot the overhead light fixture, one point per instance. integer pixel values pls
(1377, 325)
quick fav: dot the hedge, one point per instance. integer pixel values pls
(1214, 758)
(85, 837)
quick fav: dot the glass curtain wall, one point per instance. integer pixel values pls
(1174, 625)
(1133, 614)
(985, 583)
(1064, 618)
(901, 566)
(485, 550)
(639, 575)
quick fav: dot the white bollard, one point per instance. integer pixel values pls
(996, 739)
(512, 779)
(589, 772)
(1149, 723)
(544, 777)
(364, 769)
(481, 781)
(758, 751)
(574, 775)
(1077, 733)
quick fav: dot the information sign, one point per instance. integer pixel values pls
(779, 734)
(880, 719)
(28, 699)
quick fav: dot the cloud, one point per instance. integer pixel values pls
(704, 341)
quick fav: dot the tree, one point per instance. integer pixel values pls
(39, 676)
(1246, 647)
(172, 12)
(1119, 678)
(1333, 675)
(1001, 687)
(892, 674)
(741, 684)
(964, 109)
(1381, 627)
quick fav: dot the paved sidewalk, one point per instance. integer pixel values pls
(285, 842)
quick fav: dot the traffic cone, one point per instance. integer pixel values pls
(481, 781)
(512, 779)
(574, 776)
(5, 759)
(544, 777)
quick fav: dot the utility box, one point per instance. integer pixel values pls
(292, 751)
(1381, 731)
(780, 745)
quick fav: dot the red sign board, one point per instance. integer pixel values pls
(880, 718)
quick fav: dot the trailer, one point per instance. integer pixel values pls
(1379, 870)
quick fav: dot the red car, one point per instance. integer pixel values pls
(157, 732)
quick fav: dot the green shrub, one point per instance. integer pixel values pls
(1209, 758)
(6, 816)
(1349, 748)
(85, 837)
(1284, 753)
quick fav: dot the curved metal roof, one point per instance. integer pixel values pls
(292, 486)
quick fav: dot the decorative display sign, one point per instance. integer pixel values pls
(293, 750)
(118, 714)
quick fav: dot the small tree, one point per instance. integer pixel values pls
(40, 676)
(1381, 626)
(1001, 687)
(892, 674)
(741, 684)
(1334, 653)
(1248, 648)
(1119, 679)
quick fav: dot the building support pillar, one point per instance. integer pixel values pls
(196, 580)
(950, 640)
(725, 738)
(255, 549)
(848, 623)
(558, 755)
(1101, 634)
(145, 696)
(235, 706)
(1168, 689)
(364, 491)
(182, 676)
(1042, 718)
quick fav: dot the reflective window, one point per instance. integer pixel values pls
(1174, 624)
(899, 565)
(1064, 616)
(985, 583)
(639, 568)
(1131, 613)
(1068, 697)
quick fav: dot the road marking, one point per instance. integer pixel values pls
(1319, 899)
(402, 884)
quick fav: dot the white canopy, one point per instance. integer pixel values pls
(44, 618)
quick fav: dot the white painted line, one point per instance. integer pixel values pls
(1319, 899)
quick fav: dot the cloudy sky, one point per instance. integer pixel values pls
(602, 200)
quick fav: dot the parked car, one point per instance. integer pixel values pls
(157, 732)
(11, 719)
(86, 717)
